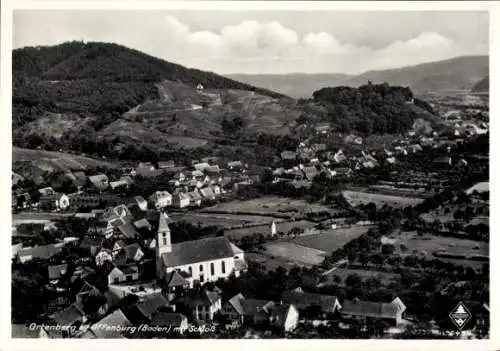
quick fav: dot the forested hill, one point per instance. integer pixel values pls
(96, 79)
(372, 108)
(107, 61)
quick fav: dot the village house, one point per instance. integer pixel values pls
(310, 172)
(43, 252)
(305, 300)
(46, 191)
(236, 166)
(23, 200)
(141, 203)
(240, 310)
(194, 198)
(57, 272)
(197, 175)
(212, 171)
(322, 128)
(288, 155)
(99, 182)
(284, 317)
(128, 253)
(205, 305)
(119, 185)
(180, 200)
(363, 310)
(161, 199)
(54, 201)
(70, 317)
(201, 166)
(176, 283)
(143, 223)
(88, 200)
(126, 273)
(116, 319)
(202, 260)
(207, 193)
(143, 311)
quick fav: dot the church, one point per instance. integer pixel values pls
(197, 261)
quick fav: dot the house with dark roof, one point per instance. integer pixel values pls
(127, 254)
(143, 223)
(241, 310)
(114, 326)
(176, 282)
(43, 252)
(176, 322)
(71, 316)
(205, 305)
(143, 311)
(194, 198)
(362, 310)
(99, 181)
(201, 260)
(235, 166)
(306, 300)
(213, 170)
(57, 272)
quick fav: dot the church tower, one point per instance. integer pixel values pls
(163, 243)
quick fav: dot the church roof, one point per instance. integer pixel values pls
(202, 250)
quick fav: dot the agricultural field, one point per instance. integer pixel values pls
(330, 240)
(302, 255)
(269, 262)
(356, 198)
(343, 273)
(281, 226)
(224, 221)
(426, 245)
(271, 205)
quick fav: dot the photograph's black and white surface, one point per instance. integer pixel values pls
(257, 174)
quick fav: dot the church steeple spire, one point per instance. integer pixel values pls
(163, 240)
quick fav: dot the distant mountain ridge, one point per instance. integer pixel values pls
(452, 74)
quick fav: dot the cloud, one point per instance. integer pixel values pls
(258, 42)
(267, 41)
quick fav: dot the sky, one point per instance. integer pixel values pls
(268, 42)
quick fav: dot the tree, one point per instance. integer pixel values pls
(388, 249)
(363, 258)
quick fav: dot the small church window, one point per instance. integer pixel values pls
(212, 268)
(223, 267)
(201, 268)
(190, 270)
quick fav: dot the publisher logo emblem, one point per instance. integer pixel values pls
(460, 315)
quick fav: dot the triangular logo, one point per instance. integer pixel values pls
(460, 315)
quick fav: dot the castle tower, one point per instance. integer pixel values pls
(163, 243)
